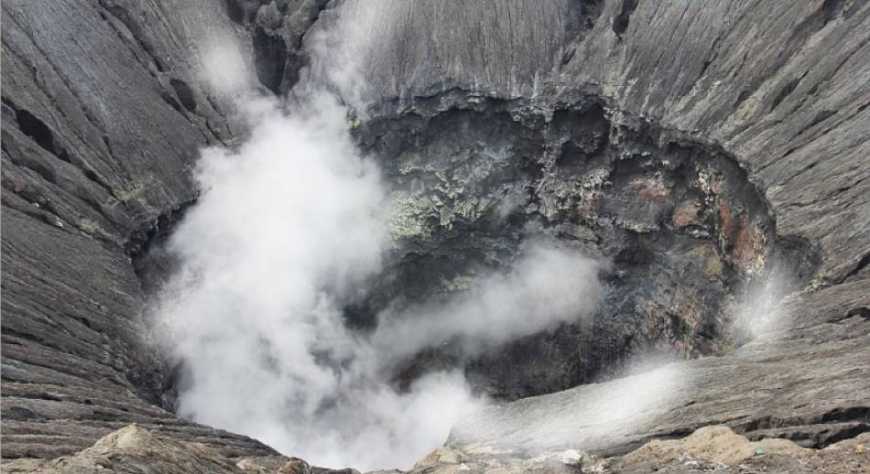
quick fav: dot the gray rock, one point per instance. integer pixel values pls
(103, 115)
(709, 449)
(781, 99)
(809, 385)
(104, 112)
(134, 449)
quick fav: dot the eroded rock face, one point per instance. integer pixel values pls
(677, 221)
(277, 28)
(135, 450)
(103, 115)
(712, 448)
(686, 141)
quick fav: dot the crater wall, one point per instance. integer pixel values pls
(104, 113)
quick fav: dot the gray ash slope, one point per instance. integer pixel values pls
(104, 113)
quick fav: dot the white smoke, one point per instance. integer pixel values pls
(759, 313)
(588, 417)
(616, 409)
(342, 45)
(288, 226)
(547, 287)
(223, 67)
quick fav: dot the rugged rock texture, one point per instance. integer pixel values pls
(775, 95)
(600, 120)
(677, 219)
(277, 28)
(809, 385)
(103, 114)
(133, 449)
(714, 448)
(777, 99)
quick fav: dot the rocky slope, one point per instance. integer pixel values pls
(134, 449)
(694, 144)
(713, 448)
(102, 116)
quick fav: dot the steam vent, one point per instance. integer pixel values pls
(435, 236)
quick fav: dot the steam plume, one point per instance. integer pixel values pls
(288, 226)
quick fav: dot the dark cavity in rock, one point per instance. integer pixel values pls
(270, 53)
(682, 227)
(684, 230)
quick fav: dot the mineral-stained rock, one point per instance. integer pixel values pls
(104, 111)
(669, 286)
